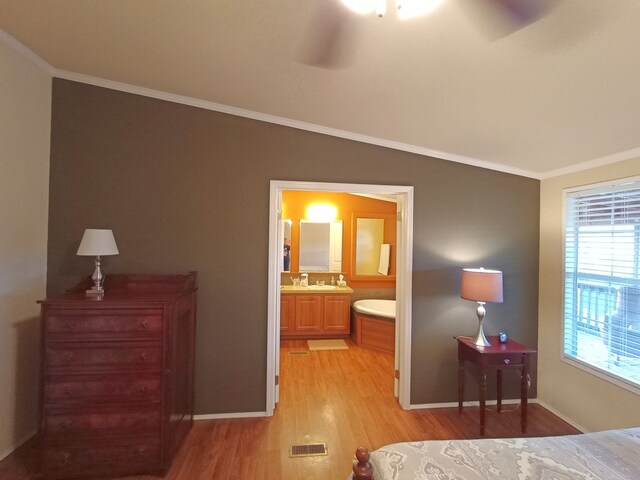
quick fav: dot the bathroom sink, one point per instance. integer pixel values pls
(322, 287)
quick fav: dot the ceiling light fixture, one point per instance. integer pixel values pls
(406, 8)
(415, 8)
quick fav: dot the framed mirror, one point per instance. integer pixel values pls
(320, 246)
(373, 238)
(369, 240)
(286, 243)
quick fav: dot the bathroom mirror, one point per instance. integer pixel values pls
(286, 243)
(370, 260)
(369, 238)
(320, 246)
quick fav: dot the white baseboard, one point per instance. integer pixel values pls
(563, 417)
(222, 416)
(509, 401)
(18, 444)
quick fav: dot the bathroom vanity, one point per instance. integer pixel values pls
(315, 312)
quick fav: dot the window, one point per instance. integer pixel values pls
(602, 280)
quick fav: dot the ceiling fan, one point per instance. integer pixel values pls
(332, 32)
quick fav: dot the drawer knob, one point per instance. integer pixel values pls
(141, 389)
(507, 361)
(69, 325)
(144, 356)
(141, 452)
(144, 324)
(66, 457)
(68, 392)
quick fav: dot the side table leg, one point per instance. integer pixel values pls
(524, 387)
(460, 384)
(483, 398)
(499, 390)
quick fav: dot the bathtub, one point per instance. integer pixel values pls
(374, 324)
(377, 308)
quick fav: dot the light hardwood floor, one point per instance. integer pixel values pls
(343, 398)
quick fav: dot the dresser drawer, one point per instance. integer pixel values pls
(103, 324)
(79, 357)
(65, 425)
(514, 360)
(95, 458)
(103, 388)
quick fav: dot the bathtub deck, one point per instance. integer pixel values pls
(373, 332)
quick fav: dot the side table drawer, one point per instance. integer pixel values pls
(513, 360)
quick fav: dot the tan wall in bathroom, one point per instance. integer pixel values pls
(295, 203)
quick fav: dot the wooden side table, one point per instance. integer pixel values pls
(499, 356)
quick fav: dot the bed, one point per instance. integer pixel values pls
(607, 455)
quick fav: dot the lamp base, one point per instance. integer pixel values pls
(480, 339)
(98, 279)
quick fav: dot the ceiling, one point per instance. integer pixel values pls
(540, 101)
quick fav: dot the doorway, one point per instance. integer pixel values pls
(404, 195)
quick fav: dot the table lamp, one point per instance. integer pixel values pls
(97, 242)
(481, 286)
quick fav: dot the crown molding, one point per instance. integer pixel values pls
(596, 162)
(28, 54)
(300, 125)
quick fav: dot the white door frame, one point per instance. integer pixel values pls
(403, 279)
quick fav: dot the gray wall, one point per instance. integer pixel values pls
(188, 189)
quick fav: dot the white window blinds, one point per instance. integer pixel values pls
(602, 281)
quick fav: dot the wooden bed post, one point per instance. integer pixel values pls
(362, 470)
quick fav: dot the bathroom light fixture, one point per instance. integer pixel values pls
(482, 286)
(406, 8)
(97, 242)
(321, 212)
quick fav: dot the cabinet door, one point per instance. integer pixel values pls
(308, 317)
(287, 313)
(336, 313)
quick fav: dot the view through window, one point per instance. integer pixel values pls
(602, 279)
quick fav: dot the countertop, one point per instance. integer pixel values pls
(330, 289)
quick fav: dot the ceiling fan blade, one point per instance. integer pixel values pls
(507, 16)
(330, 37)
(522, 11)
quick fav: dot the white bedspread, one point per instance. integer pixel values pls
(608, 455)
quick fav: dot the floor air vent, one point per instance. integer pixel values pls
(301, 352)
(308, 449)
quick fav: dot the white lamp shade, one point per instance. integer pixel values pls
(97, 242)
(481, 285)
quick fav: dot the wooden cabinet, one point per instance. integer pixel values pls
(287, 313)
(308, 317)
(315, 315)
(335, 317)
(117, 377)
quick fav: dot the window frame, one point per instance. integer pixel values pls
(574, 361)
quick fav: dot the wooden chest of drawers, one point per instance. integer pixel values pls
(117, 377)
